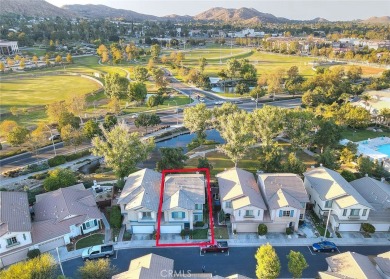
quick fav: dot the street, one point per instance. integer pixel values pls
(239, 260)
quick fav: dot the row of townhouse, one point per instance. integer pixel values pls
(278, 200)
(51, 222)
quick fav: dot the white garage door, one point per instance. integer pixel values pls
(13, 258)
(246, 228)
(381, 227)
(143, 229)
(170, 229)
(349, 227)
(53, 244)
(277, 227)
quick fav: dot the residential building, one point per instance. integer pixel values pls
(377, 193)
(57, 217)
(8, 47)
(153, 266)
(350, 265)
(183, 201)
(285, 197)
(241, 199)
(15, 225)
(382, 264)
(330, 193)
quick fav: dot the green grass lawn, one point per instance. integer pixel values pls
(94, 239)
(37, 91)
(221, 233)
(199, 234)
(361, 134)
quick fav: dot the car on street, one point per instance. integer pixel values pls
(179, 110)
(55, 137)
(220, 246)
(135, 115)
(219, 102)
(324, 246)
(98, 251)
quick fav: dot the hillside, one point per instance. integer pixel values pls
(102, 11)
(382, 19)
(38, 8)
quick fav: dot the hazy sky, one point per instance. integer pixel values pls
(292, 9)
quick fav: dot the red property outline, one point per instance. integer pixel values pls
(211, 222)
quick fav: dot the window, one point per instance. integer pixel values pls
(146, 215)
(258, 212)
(328, 204)
(355, 212)
(315, 204)
(345, 212)
(198, 206)
(239, 213)
(198, 217)
(90, 224)
(178, 215)
(228, 204)
(12, 241)
(364, 212)
(249, 214)
(286, 213)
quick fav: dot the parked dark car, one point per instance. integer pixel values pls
(324, 246)
(221, 246)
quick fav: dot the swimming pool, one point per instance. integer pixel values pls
(385, 149)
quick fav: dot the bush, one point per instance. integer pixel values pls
(199, 224)
(75, 156)
(289, 231)
(115, 217)
(262, 229)
(348, 175)
(56, 161)
(368, 228)
(33, 253)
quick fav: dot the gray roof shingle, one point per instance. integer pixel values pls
(14, 212)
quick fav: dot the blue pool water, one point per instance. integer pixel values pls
(385, 149)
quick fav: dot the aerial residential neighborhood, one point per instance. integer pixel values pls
(194, 139)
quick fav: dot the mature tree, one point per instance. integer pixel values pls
(328, 158)
(202, 64)
(59, 178)
(155, 100)
(42, 267)
(348, 175)
(298, 127)
(366, 98)
(91, 129)
(384, 113)
(294, 86)
(159, 77)
(58, 59)
(114, 106)
(348, 153)
(17, 135)
(274, 82)
(109, 122)
(365, 165)
(98, 269)
(68, 118)
(121, 150)
(203, 162)
(356, 117)
(171, 158)
(72, 136)
(268, 263)
(296, 264)
(37, 137)
(137, 92)
(235, 129)
(271, 158)
(55, 110)
(241, 88)
(76, 104)
(354, 73)
(155, 51)
(267, 123)
(180, 56)
(115, 86)
(294, 165)
(7, 126)
(314, 98)
(328, 134)
(22, 63)
(69, 58)
(196, 119)
(257, 92)
(141, 74)
(2, 67)
(247, 70)
(225, 109)
(147, 120)
(293, 72)
(232, 68)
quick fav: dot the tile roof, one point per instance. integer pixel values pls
(383, 262)
(146, 267)
(66, 202)
(14, 212)
(238, 184)
(353, 265)
(330, 185)
(283, 189)
(184, 191)
(377, 194)
(142, 188)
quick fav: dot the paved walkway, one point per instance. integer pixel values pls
(107, 229)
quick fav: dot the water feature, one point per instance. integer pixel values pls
(226, 89)
(91, 167)
(385, 149)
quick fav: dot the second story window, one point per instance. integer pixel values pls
(198, 206)
(249, 214)
(178, 215)
(364, 212)
(146, 215)
(12, 241)
(355, 212)
(328, 204)
(228, 204)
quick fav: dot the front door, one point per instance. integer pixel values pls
(186, 226)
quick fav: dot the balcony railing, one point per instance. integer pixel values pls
(357, 217)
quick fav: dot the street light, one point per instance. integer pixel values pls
(52, 140)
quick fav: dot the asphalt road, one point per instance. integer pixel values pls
(239, 260)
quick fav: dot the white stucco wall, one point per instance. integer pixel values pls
(23, 240)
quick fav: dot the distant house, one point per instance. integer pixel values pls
(286, 199)
(330, 193)
(8, 47)
(183, 200)
(350, 265)
(377, 194)
(241, 199)
(57, 216)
